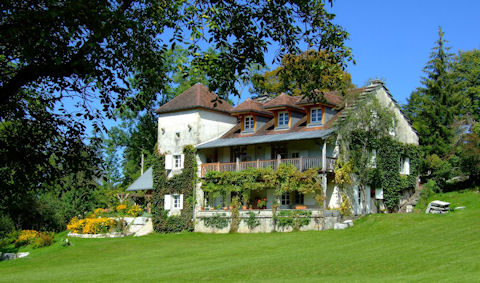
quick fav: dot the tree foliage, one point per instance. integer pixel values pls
(300, 74)
(38, 149)
(97, 45)
(466, 79)
(444, 111)
(433, 107)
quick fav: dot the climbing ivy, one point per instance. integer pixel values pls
(295, 219)
(182, 183)
(386, 174)
(218, 220)
(286, 178)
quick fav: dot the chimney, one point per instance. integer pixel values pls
(376, 82)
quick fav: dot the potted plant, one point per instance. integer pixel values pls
(262, 203)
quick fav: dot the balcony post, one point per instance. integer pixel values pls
(218, 166)
(324, 187)
(237, 160)
(301, 164)
(324, 156)
(279, 160)
(258, 163)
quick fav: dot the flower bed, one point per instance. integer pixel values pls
(34, 238)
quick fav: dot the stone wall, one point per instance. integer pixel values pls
(320, 220)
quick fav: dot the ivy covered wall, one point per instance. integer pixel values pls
(182, 183)
(386, 174)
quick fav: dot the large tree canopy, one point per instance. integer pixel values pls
(94, 46)
(106, 56)
(299, 74)
(433, 107)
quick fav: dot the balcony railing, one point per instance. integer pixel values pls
(302, 164)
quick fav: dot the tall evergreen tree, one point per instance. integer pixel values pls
(466, 76)
(433, 107)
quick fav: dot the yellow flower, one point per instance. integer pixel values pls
(121, 207)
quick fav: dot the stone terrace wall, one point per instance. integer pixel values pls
(320, 220)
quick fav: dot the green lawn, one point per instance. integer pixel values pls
(414, 247)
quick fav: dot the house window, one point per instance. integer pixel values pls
(316, 116)
(405, 166)
(174, 201)
(373, 158)
(299, 198)
(295, 154)
(177, 204)
(177, 161)
(248, 123)
(285, 198)
(283, 119)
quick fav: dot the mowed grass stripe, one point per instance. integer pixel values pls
(379, 248)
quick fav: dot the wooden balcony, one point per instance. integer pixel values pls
(302, 164)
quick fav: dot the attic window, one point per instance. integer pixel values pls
(316, 115)
(248, 123)
(283, 119)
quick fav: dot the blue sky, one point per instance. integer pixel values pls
(392, 40)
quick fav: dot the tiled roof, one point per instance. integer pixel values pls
(250, 105)
(331, 97)
(198, 96)
(283, 100)
(289, 136)
(144, 182)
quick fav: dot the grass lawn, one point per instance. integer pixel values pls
(398, 247)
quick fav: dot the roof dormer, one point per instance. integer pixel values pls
(318, 113)
(285, 111)
(252, 115)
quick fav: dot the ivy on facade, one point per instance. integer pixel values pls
(381, 171)
(286, 178)
(182, 183)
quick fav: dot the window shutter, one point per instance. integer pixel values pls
(182, 157)
(167, 202)
(406, 167)
(169, 162)
(181, 201)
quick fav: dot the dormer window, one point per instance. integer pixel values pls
(283, 119)
(248, 123)
(316, 115)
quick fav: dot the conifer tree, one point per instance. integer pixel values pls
(433, 107)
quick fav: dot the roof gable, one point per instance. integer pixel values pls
(283, 100)
(250, 105)
(198, 96)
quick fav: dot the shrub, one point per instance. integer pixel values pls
(134, 211)
(91, 225)
(295, 219)
(9, 238)
(6, 226)
(43, 240)
(170, 224)
(252, 220)
(218, 220)
(26, 237)
(346, 205)
(428, 190)
(121, 208)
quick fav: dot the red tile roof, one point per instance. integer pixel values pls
(198, 96)
(250, 105)
(283, 100)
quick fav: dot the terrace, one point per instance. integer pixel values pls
(301, 163)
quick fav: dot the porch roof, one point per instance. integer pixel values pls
(266, 139)
(144, 182)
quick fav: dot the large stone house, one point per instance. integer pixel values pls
(261, 132)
